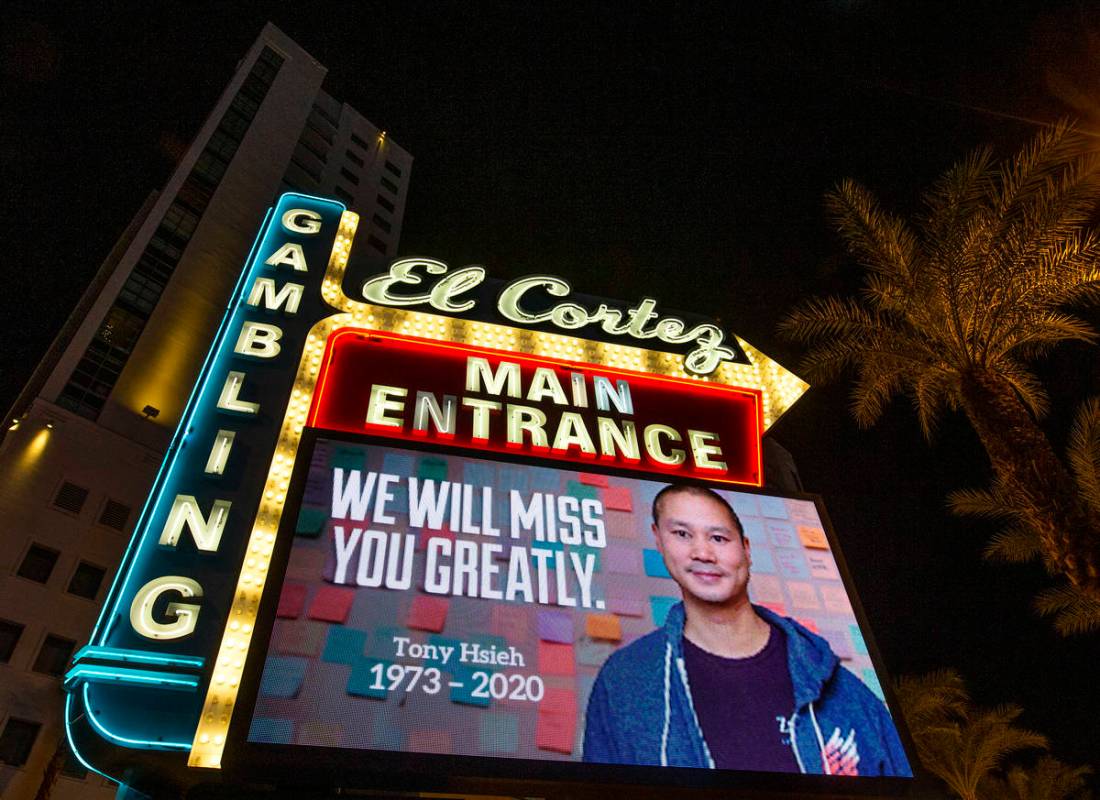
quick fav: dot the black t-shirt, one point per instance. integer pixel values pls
(744, 704)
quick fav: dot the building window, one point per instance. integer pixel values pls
(382, 223)
(354, 159)
(312, 172)
(343, 194)
(114, 515)
(376, 243)
(389, 185)
(86, 580)
(17, 741)
(71, 766)
(396, 170)
(38, 563)
(386, 204)
(54, 655)
(70, 497)
(350, 176)
(9, 638)
(357, 141)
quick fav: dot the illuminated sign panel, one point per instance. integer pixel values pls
(454, 605)
(477, 397)
(449, 474)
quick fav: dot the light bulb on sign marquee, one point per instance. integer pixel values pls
(546, 394)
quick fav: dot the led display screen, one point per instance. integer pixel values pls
(441, 603)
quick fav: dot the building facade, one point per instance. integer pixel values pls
(84, 439)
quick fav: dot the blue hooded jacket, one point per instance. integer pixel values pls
(640, 710)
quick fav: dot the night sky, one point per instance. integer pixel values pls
(682, 154)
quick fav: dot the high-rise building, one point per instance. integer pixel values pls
(84, 439)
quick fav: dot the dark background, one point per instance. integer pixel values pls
(680, 152)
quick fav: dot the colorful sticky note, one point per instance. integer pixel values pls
(773, 507)
(385, 735)
(660, 605)
(626, 607)
(557, 721)
(762, 561)
(776, 608)
(320, 734)
(822, 565)
(397, 464)
(872, 681)
(792, 563)
(836, 599)
(426, 535)
(591, 653)
(857, 639)
(754, 529)
(803, 595)
(306, 563)
(555, 626)
(781, 534)
(310, 521)
(654, 564)
(431, 469)
(428, 613)
(478, 473)
(512, 622)
(803, 511)
(813, 537)
(592, 479)
(618, 498)
(581, 490)
(462, 685)
(292, 600)
(840, 642)
(623, 559)
(744, 505)
(344, 645)
(283, 676)
(603, 626)
(299, 638)
(346, 458)
(331, 604)
(765, 589)
(808, 624)
(265, 730)
(429, 741)
(380, 643)
(556, 659)
(498, 732)
(364, 680)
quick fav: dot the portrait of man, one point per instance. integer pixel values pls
(726, 684)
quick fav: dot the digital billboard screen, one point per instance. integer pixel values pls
(447, 604)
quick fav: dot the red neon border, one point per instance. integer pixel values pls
(416, 342)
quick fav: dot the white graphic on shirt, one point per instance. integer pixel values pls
(842, 755)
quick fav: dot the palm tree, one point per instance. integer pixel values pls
(957, 742)
(957, 302)
(1047, 779)
(1073, 610)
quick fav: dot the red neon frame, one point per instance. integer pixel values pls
(356, 358)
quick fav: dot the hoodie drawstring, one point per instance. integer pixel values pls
(794, 744)
(820, 741)
(668, 709)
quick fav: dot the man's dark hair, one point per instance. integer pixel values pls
(698, 491)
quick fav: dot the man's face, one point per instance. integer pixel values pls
(702, 548)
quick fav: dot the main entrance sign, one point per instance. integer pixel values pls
(162, 693)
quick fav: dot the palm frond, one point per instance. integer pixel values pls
(990, 503)
(1016, 544)
(881, 241)
(1083, 451)
(1071, 611)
